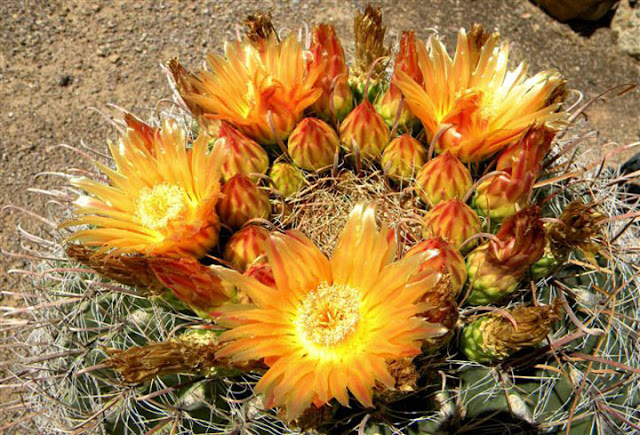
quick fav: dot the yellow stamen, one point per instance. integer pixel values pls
(329, 314)
(157, 206)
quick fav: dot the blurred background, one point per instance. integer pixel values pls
(60, 58)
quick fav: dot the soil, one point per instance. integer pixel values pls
(60, 58)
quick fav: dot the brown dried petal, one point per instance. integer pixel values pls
(533, 325)
(130, 270)
(581, 224)
(369, 35)
(259, 26)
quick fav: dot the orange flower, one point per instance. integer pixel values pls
(161, 198)
(486, 105)
(328, 326)
(262, 89)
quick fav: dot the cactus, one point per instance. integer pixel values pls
(120, 336)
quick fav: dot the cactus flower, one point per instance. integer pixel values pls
(367, 129)
(261, 271)
(403, 157)
(329, 327)
(161, 198)
(313, 144)
(287, 178)
(333, 78)
(245, 245)
(443, 178)
(242, 201)
(502, 195)
(261, 88)
(485, 105)
(494, 336)
(453, 220)
(496, 268)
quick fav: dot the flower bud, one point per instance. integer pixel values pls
(287, 178)
(447, 260)
(407, 61)
(328, 56)
(502, 195)
(497, 335)
(313, 144)
(442, 178)
(245, 246)
(192, 283)
(496, 268)
(453, 220)
(367, 129)
(403, 157)
(242, 201)
(241, 155)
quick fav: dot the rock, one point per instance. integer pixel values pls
(65, 80)
(588, 10)
(626, 26)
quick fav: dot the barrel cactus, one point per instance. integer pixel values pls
(266, 267)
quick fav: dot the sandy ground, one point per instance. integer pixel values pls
(60, 58)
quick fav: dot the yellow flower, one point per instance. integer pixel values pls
(487, 105)
(261, 88)
(329, 326)
(160, 200)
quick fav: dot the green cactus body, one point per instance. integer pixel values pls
(472, 342)
(545, 266)
(488, 282)
(358, 87)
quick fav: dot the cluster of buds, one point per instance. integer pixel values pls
(497, 335)
(496, 267)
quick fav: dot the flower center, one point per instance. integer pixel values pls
(329, 314)
(157, 206)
